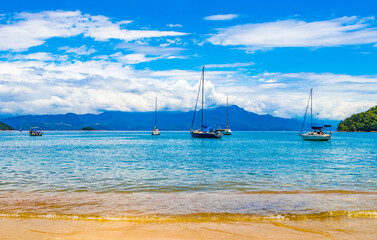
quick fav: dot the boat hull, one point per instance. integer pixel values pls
(316, 137)
(35, 134)
(205, 135)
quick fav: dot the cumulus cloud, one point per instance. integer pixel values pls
(37, 87)
(221, 17)
(26, 30)
(31, 87)
(335, 96)
(294, 33)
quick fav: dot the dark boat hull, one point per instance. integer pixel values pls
(205, 135)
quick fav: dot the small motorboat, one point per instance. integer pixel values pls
(35, 131)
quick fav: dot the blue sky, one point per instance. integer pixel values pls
(90, 56)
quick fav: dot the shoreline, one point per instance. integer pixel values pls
(335, 228)
(204, 217)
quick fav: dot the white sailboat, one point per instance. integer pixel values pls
(317, 133)
(227, 130)
(155, 130)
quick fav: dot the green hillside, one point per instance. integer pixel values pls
(87, 129)
(4, 127)
(361, 122)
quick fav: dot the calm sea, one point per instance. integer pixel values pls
(135, 174)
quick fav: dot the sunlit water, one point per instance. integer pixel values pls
(135, 173)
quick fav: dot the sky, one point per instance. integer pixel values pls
(83, 56)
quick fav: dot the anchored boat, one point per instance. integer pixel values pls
(35, 131)
(317, 133)
(227, 129)
(155, 130)
(204, 131)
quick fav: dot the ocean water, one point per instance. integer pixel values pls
(136, 175)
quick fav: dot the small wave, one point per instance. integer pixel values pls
(199, 217)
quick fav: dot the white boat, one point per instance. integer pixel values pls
(317, 133)
(155, 130)
(227, 130)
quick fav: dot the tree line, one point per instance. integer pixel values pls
(361, 122)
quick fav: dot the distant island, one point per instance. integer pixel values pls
(5, 127)
(239, 120)
(87, 129)
(361, 122)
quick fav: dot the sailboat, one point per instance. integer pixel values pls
(317, 133)
(227, 129)
(204, 131)
(155, 130)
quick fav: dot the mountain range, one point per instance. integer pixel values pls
(239, 120)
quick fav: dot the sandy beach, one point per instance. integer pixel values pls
(343, 228)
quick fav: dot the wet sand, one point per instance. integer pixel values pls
(331, 228)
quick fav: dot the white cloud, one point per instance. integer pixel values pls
(46, 87)
(174, 25)
(133, 58)
(294, 33)
(83, 50)
(221, 17)
(104, 84)
(150, 50)
(230, 65)
(335, 96)
(40, 56)
(26, 30)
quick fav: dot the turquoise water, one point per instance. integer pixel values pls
(248, 172)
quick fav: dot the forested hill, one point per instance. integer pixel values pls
(4, 127)
(361, 122)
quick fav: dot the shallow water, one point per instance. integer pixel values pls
(134, 173)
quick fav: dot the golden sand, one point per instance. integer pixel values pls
(336, 228)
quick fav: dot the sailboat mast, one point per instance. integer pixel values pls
(311, 108)
(227, 126)
(155, 115)
(201, 126)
